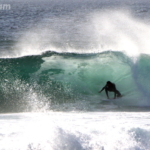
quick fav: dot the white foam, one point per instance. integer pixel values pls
(59, 130)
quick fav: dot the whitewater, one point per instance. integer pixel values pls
(54, 58)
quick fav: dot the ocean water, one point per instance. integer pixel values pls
(54, 58)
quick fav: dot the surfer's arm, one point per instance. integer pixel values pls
(102, 89)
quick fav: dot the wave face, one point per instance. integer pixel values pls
(50, 80)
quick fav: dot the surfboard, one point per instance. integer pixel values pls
(111, 99)
(107, 100)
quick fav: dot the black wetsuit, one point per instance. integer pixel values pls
(111, 88)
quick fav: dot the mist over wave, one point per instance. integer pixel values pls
(85, 31)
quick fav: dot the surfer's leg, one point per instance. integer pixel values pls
(106, 92)
(118, 93)
(115, 95)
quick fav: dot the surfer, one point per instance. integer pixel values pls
(111, 87)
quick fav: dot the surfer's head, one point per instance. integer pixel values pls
(108, 82)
